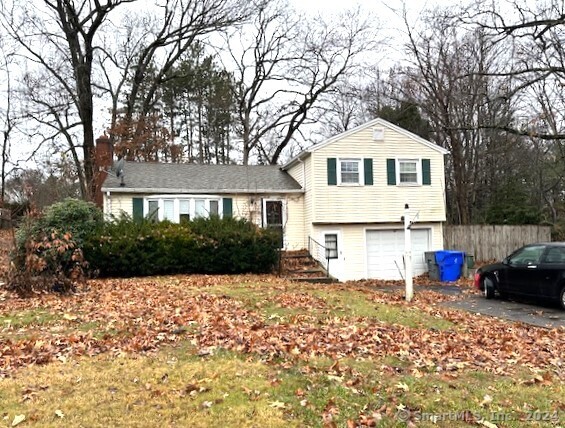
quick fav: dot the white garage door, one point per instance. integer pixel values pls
(385, 249)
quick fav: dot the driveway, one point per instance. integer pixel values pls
(533, 313)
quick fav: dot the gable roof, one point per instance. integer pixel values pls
(371, 123)
(154, 177)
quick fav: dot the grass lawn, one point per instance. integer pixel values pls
(257, 351)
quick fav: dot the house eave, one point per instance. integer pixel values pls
(154, 190)
(375, 122)
(300, 157)
(375, 223)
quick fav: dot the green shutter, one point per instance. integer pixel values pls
(368, 168)
(391, 172)
(426, 172)
(137, 208)
(227, 207)
(332, 171)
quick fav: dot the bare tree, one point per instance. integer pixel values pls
(66, 39)
(167, 37)
(534, 33)
(451, 80)
(285, 63)
(343, 108)
(7, 116)
(60, 37)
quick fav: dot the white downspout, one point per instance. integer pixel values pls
(108, 205)
(304, 226)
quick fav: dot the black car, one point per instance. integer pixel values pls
(536, 270)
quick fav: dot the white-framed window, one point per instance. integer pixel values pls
(182, 207)
(184, 210)
(169, 209)
(214, 207)
(350, 171)
(330, 242)
(409, 171)
(200, 208)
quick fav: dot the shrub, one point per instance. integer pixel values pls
(78, 217)
(137, 248)
(48, 254)
(53, 263)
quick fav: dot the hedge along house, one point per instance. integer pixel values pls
(342, 199)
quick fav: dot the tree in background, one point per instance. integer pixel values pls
(39, 188)
(66, 41)
(284, 66)
(406, 114)
(466, 107)
(8, 119)
(191, 118)
(536, 33)
(199, 106)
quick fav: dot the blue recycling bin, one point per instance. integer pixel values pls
(450, 264)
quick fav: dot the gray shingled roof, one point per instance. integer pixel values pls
(149, 177)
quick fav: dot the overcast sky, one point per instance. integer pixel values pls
(388, 14)
(383, 11)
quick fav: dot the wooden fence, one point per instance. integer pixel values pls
(487, 242)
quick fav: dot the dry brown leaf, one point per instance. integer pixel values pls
(18, 419)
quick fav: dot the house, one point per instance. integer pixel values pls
(343, 199)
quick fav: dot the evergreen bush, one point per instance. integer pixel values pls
(127, 248)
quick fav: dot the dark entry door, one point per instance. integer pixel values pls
(274, 217)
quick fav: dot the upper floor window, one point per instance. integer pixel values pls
(350, 171)
(408, 171)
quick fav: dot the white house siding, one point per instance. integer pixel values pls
(294, 226)
(378, 202)
(118, 203)
(250, 207)
(352, 261)
(302, 173)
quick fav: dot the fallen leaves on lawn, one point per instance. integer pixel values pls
(141, 314)
(18, 419)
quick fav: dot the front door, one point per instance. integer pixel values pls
(330, 252)
(274, 218)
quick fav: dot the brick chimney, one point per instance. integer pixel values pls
(103, 159)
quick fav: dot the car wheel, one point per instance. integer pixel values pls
(562, 298)
(488, 287)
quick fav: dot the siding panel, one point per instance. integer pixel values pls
(353, 245)
(380, 202)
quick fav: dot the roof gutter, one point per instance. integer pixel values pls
(298, 158)
(154, 190)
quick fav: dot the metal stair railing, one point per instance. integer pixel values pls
(320, 253)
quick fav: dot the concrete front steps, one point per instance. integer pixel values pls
(300, 266)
